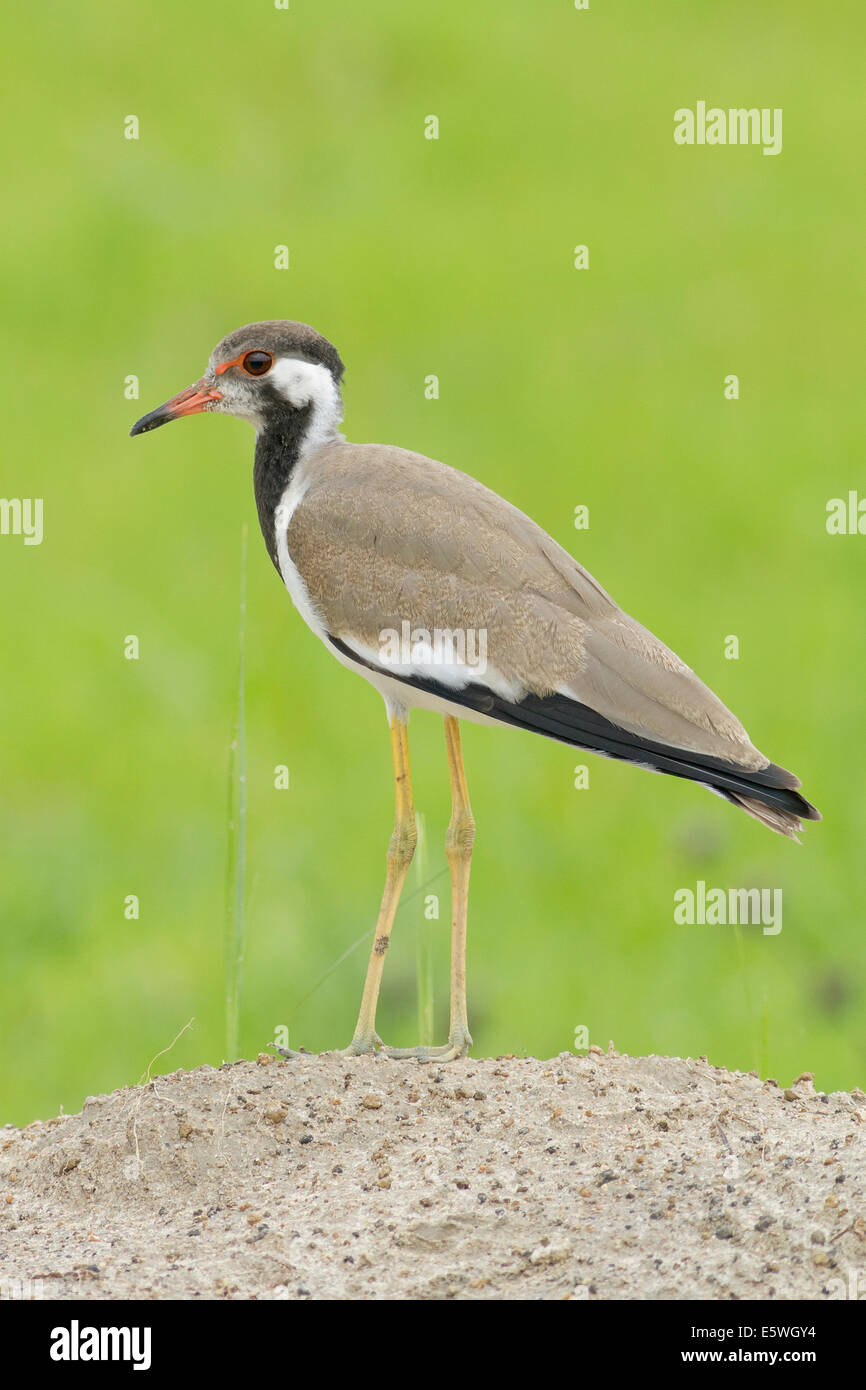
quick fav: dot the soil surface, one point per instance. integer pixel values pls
(589, 1177)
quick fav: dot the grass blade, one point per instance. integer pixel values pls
(237, 833)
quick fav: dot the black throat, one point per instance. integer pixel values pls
(278, 448)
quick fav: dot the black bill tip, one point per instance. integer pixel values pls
(151, 421)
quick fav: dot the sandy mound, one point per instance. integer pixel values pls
(586, 1177)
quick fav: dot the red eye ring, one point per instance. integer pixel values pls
(256, 363)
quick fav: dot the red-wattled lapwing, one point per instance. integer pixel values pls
(382, 550)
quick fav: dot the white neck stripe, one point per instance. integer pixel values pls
(309, 383)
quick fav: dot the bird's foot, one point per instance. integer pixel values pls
(289, 1052)
(361, 1045)
(356, 1048)
(457, 1045)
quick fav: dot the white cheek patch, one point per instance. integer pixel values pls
(303, 383)
(309, 383)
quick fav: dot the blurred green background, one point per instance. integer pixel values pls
(260, 127)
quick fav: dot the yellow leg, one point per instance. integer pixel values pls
(458, 848)
(400, 852)
(459, 840)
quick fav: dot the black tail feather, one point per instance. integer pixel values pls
(559, 717)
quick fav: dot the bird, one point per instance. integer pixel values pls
(447, 598)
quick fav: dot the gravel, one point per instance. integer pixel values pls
(585, 1177)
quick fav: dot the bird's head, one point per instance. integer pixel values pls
(261, 373)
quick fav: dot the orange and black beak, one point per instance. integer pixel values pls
(189, 402)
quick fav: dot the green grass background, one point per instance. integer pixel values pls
(558, 387)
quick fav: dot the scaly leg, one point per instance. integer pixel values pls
(400, 852)
(458, 848)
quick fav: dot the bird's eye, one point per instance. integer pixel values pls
(257, 363)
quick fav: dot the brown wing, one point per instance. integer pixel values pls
(383, 535)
